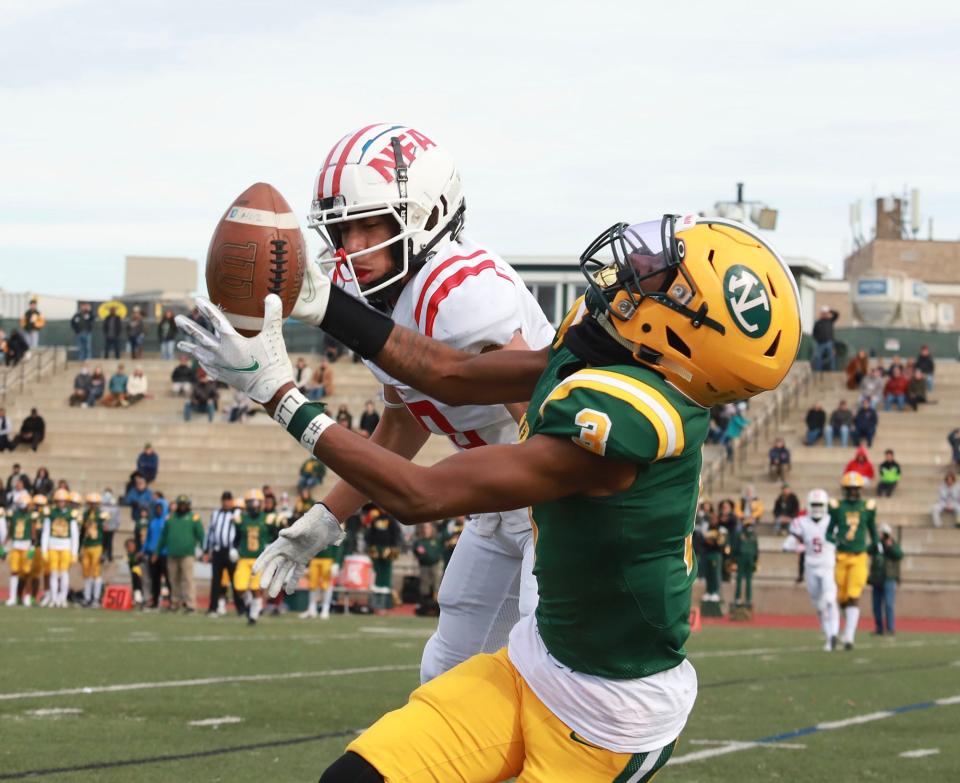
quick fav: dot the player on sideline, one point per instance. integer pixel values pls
(59, 541)
(680, 313)
(810, 530)
(388, 203)
(850, 520)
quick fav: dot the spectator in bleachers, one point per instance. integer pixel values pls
(202, 400)
(896, 363)
(953, 438)
(112, 329)
(312, 472)
(785, 509)
(727, 514)
(42, 483)
(148, 463)
(32, 431)
(884, 576)
(138, 496)
(82, 325)
(136, 333)
(239, 407)
(321, 381)
(167, 334)
(735, 427)
(841, 420)
(816, 424)
(116, 395)
(6, 432)
(14, 348)
(926, 365)
(332, 348)
(344, 416)
(865, 424)
(895, 389)
(719, 415)
(779, 460)
(917, 389)
(199, 318)
(857, 369)
(31, 322)
(871, 387)
(824, 355)
(861, 464)
(81, 388)
(98, 384)
(369, 419)
(889, 475)
(17, 481)
(301, 374)
(182, 378)
(137, 386)
(949, 500)
(749, 506)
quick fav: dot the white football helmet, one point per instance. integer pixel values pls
(393, 170)
(817, 502)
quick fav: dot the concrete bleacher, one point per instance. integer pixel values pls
(930, 584)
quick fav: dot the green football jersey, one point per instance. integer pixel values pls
(252, 533)
(850, 521)
(275, 523)
(93, 520)
(60, 522)
(21, 525)
(615, 572)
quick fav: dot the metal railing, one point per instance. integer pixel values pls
(780, 404)
(41, 362)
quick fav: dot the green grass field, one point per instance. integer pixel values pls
(301, 690)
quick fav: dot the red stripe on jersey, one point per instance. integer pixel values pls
(343, 157)
(435, 274)
(452, 282)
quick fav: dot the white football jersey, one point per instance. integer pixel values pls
(469, 298)
(819, 553)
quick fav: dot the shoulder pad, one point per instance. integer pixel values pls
(196, 517)
(870, 504)
(834, 503)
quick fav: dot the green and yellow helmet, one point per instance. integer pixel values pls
(704, 301)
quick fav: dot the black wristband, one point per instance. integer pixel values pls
(354, 323)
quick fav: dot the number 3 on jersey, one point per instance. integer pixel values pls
(594, 430)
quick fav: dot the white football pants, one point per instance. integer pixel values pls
(822, 586)
(487, 587)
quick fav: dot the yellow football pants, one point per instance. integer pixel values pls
(90, 561)
(318, 577)
(59, 560)
(244, 578)
(480, 723)
(851, 575)
(19, 562)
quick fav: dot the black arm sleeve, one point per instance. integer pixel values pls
(355, 324)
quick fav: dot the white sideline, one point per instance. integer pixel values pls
(143, 686)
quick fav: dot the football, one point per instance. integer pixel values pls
(257, 249)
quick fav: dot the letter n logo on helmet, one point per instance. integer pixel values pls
(747, 301)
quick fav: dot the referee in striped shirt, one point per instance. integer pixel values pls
(217, 548)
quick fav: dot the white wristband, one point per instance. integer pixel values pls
(294, 413)
(289, 404)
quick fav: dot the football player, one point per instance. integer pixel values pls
(389, 204)
(810, 531)
(91, 544)
(20, 530)
(59, 542)
(250, 539)
(39, 578)
(680, 314)
(851, 519)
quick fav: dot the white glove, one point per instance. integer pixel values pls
(282, 563)
(258, 366)
(311, 305)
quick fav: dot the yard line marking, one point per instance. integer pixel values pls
(35, 773)
(818, 647)
(919, 753)
(856, 720)
(142, 686)
(784, 745)
(53, 712)
(216, 721)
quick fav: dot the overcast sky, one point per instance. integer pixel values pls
(129, 127)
